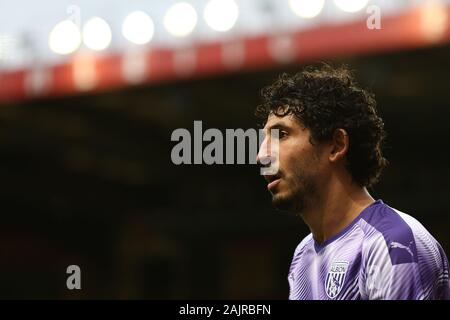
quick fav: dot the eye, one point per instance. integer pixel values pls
(283, 134)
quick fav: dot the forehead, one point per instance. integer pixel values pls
(286, 122)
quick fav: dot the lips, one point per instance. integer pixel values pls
(272, 180)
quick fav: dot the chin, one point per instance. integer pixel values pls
(284, 203)
(288, 202)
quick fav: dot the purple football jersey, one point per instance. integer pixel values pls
(382, 254)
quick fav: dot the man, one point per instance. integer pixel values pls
(329, 142)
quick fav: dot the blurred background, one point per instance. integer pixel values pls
(90, 92)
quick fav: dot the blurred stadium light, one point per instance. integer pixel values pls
(138, 28)
(194, 38)
(181, 19)
(97, 34)
(351, 6)
(307, 8)
(65, 37)
(221, 15)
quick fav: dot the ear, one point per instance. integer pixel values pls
(339, 145)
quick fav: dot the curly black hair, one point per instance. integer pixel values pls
(324, 99)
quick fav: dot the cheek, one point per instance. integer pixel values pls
(318, 168)
(294, 158)
(303, 160)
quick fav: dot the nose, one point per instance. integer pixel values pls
(268, 155)
(263, 156)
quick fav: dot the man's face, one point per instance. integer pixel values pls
(302, 166)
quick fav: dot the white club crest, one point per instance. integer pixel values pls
(335, 278)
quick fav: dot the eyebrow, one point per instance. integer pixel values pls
(277, 125)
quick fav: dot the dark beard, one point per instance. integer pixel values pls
(300, 197)
(290, 203)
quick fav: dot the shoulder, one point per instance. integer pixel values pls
(304, 244)
(298, 253)
(401, 257)
(398, 234)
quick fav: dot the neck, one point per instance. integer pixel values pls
(337, 207)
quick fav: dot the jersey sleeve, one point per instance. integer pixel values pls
(405, 271)
(391, 272)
